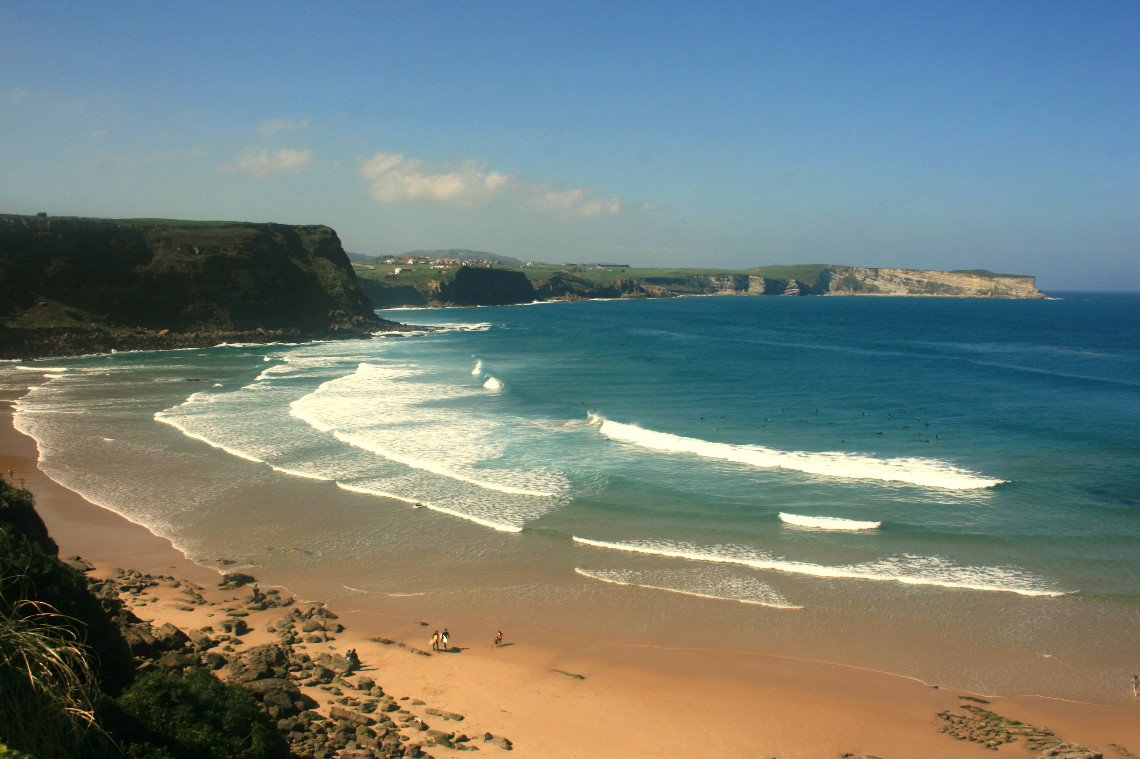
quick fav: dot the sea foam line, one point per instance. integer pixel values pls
(441, 509)
(915, 471)
(882, 571)
(161, 417)
(828, 523)
(782, 604)
(429, 466)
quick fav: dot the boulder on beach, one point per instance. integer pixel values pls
(235, 580)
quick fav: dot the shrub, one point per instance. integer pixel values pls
(195, 716)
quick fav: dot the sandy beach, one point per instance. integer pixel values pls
(556, 695)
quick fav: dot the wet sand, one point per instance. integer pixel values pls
(631, 700)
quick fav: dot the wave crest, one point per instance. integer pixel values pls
(828, 523)
(906, 569)
(914, 471)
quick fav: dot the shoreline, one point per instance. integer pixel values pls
(633, 700)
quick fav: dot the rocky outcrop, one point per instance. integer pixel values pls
(86, 285)
(854, 280)
(477, 286)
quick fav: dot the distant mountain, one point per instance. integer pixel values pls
(464, 255)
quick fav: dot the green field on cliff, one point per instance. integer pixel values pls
(418, 275)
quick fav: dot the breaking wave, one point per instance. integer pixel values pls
(915, 471)
(828, 523)
(739, 589)
(906, 569)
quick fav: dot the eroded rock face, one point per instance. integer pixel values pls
(851, 280)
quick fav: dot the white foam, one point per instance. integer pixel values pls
(915, 471)
(166, 419)
(493, 384)
(478, 368)
(758, 593)
(906, 569)
(299, 473)
(828, 523)
(436, 468)
(494, 525)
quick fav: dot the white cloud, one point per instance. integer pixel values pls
(258, 163)
(270, 127)
(572, 203)
(396, 177)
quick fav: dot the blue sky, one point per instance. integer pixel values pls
(999, 135)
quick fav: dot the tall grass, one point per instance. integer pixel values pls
(48, 690)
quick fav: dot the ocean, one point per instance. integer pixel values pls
(946, 489)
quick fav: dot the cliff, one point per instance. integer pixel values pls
(77, 285)
(462, 286)
(849, 280)
(794, 281)
(467, 286)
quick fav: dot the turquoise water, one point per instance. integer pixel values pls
(969, 465)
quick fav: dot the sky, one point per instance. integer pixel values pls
(1001, 135)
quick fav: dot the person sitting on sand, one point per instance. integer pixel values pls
(352, 660)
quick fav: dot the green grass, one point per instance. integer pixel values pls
(807, 273)
(984, 273)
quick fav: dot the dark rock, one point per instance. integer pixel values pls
(214, 660)
(280, 702)
(338, 713)
(445, 715)
(501, 742)
(139, 639)
(200, 639)
(236, 579)
(265, 685)
(322, 675)
(174, 660)
(77, 563)
(171, 637)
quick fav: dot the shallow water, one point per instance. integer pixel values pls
(800, 475)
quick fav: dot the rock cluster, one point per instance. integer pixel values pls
(362, 720)
(992, 730)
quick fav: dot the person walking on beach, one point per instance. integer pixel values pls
(1135, 686)
(435, 641)
(499, 638)
(443, 640)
